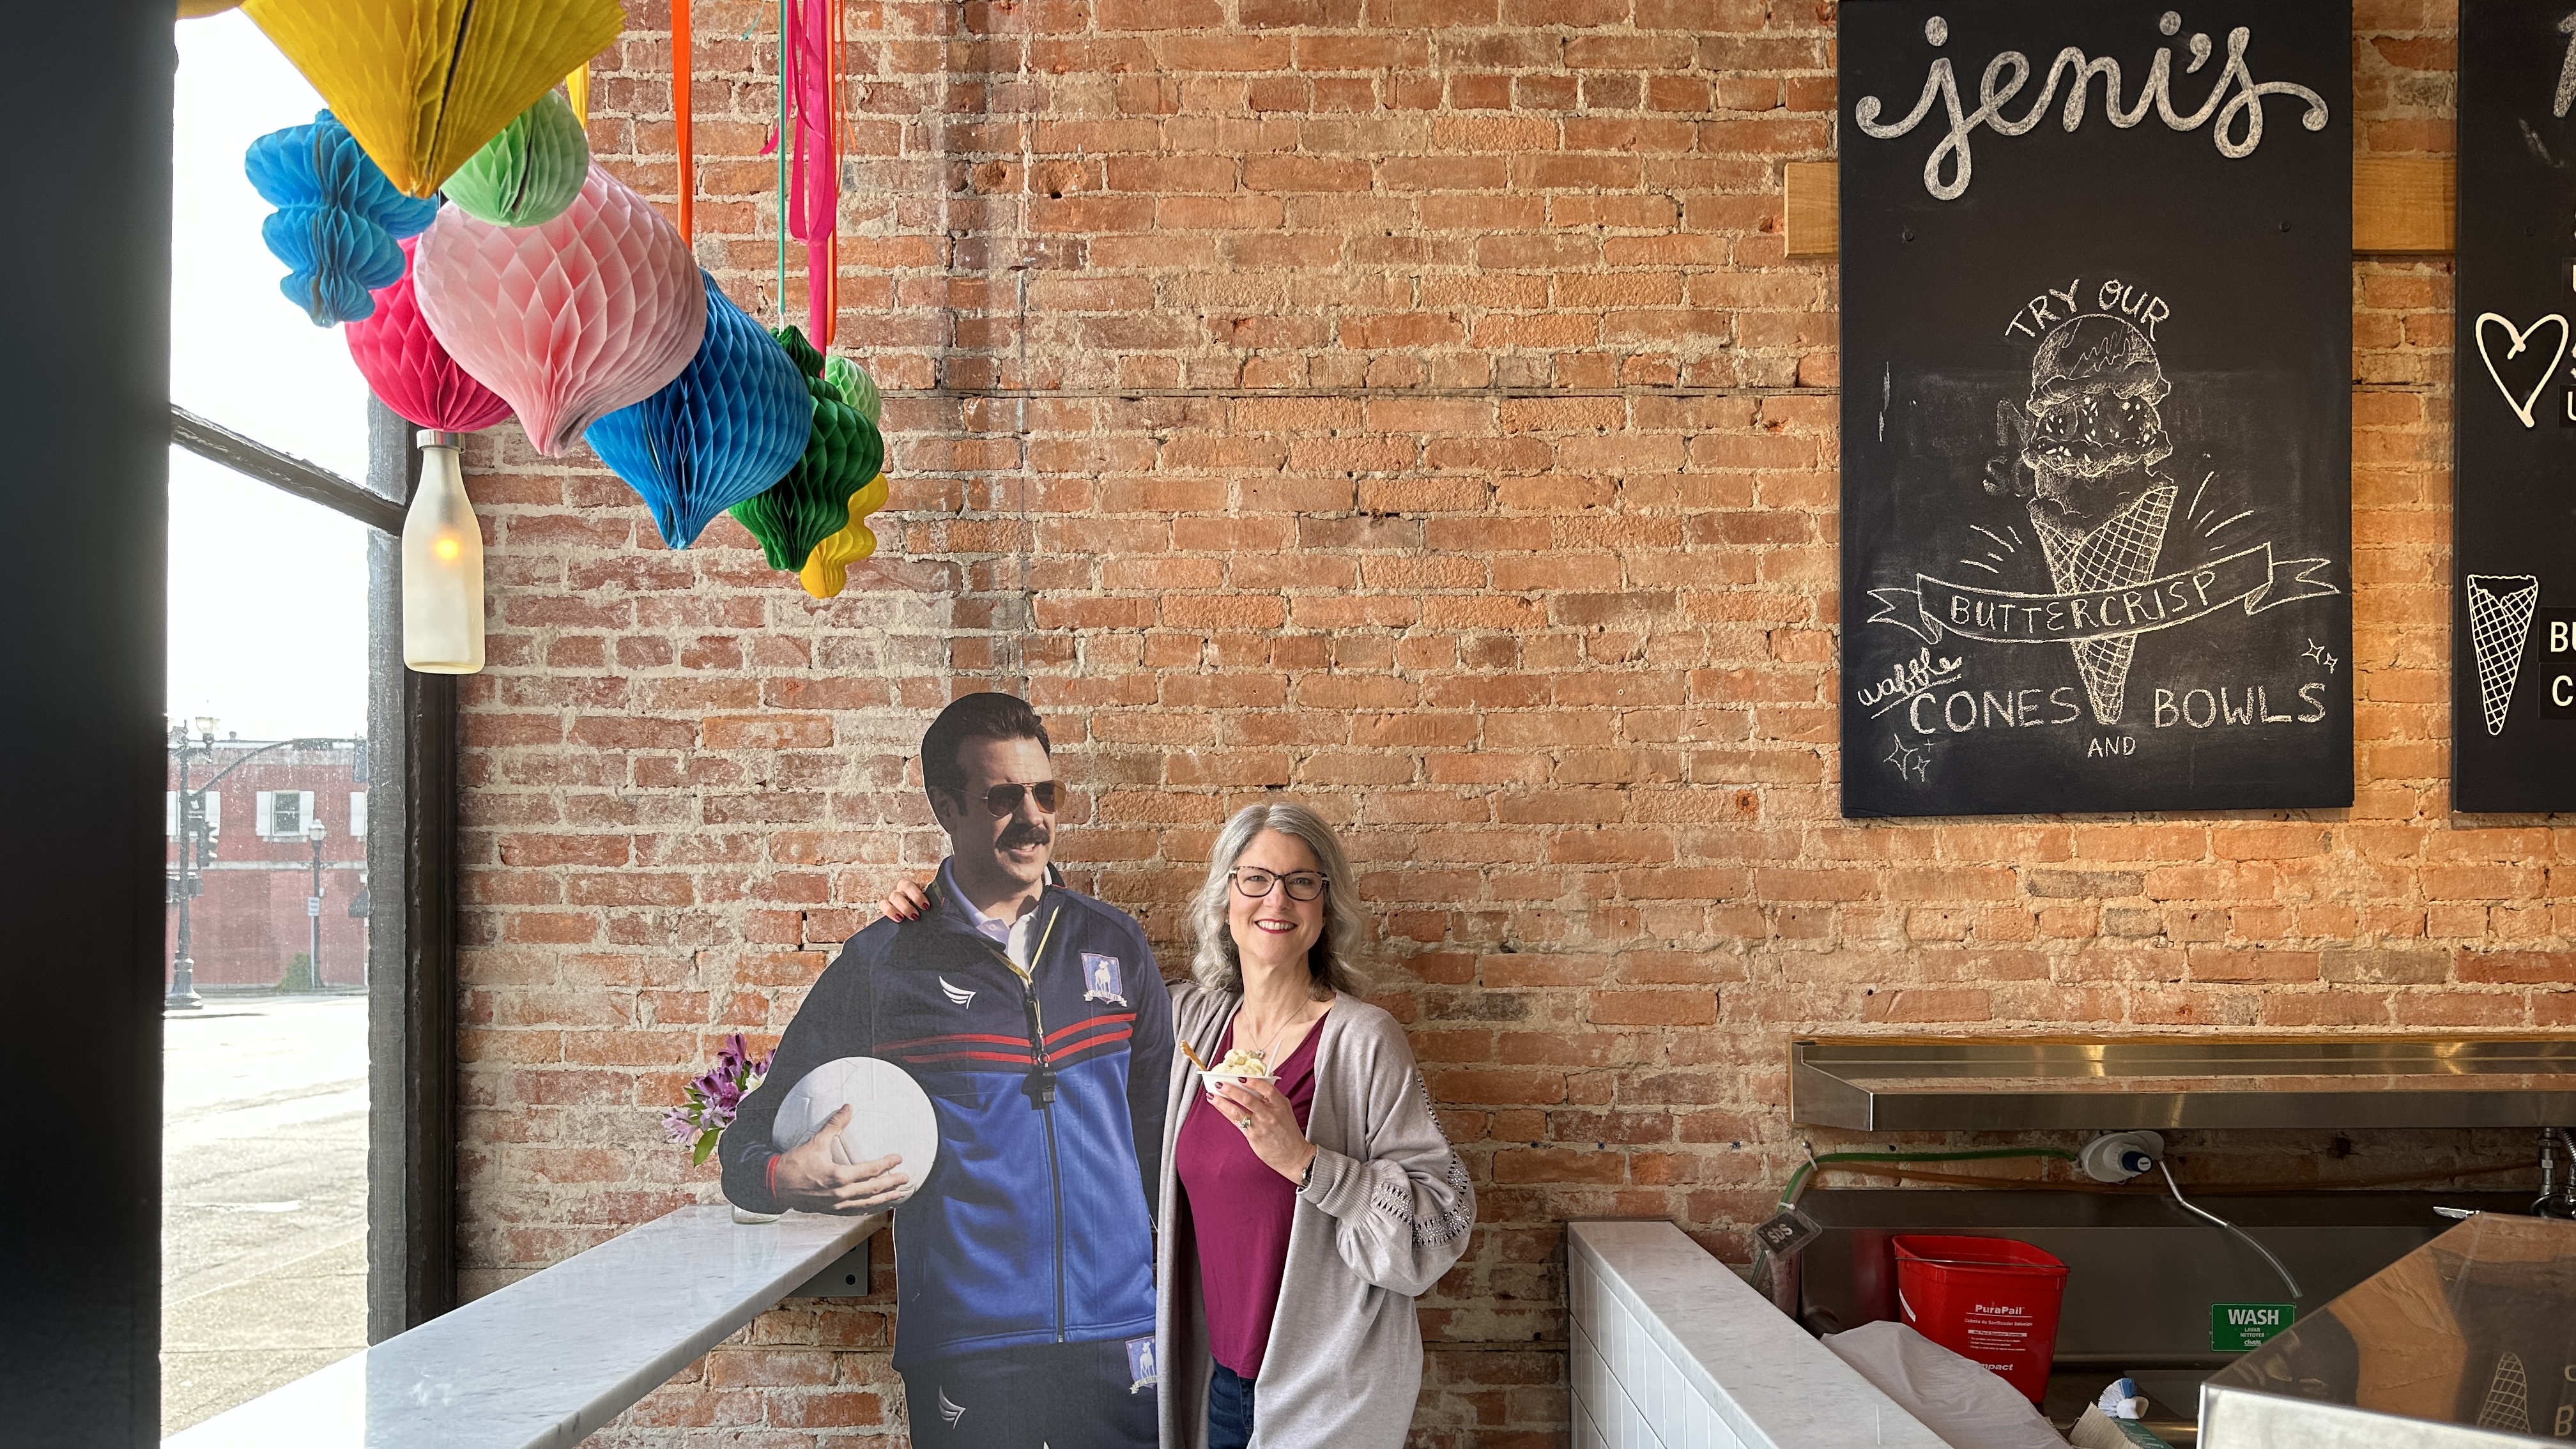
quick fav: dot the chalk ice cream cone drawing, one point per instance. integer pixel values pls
(2508, 1403)
(2119, 553)
(2500, 610)
(2083, 450)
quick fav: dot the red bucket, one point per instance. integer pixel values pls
(1992, 1300)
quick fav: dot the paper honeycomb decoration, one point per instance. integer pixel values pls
(424, 84)
(402, 361)
(529, 173)
(338, 220)
(827, 570)
(812, 502)
(593, 311)
(727, 427)
(856, 388)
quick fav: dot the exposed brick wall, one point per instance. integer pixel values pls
(1405, 404)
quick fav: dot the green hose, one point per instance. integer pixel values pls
(1798, 1179)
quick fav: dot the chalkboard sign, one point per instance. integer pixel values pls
(2096, 453)
(2513, 500)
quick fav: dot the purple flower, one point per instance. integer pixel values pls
(731, 1056)
(715, 1098)
(733, 1059)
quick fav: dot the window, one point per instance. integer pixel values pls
(284, 814)
(306, 1202)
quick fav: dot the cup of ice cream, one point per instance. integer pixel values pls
(1240, 1065)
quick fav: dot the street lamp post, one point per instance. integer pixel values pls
(196, 848)
(315, 832)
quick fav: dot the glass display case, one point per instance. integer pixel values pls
(2470, 1340)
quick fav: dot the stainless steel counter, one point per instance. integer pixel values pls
(2143, 1275)
(2242, 1419)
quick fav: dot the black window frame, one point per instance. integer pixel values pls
(84, 405)
(411, 874)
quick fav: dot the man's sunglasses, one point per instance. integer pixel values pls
(1303, 885)
(1001, 800)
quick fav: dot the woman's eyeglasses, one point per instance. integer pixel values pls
(1001, 800)
(1303, 885)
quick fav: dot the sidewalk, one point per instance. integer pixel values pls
(264, 1161)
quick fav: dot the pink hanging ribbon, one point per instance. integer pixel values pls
(814, 213)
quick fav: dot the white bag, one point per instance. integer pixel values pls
(1967, 1404)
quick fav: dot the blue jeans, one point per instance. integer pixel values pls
(1229, 1409)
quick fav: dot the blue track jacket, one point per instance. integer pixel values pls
(1036, 1224)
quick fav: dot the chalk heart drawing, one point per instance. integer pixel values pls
(2518, 341)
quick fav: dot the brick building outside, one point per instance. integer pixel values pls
(249, 923)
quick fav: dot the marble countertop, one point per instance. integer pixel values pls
(1768, 1379)
(544, 1362)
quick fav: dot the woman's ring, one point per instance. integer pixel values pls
(1244, 1122)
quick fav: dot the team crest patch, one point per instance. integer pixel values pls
(1100, 979)
(1140, 1365)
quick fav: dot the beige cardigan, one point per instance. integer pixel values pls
(1385, 1214)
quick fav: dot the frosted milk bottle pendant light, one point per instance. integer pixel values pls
(442, 555)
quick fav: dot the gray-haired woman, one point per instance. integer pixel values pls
(1303, 1213)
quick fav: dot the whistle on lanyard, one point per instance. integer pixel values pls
(1041, 1082)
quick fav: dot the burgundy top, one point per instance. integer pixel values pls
(1240, 1210)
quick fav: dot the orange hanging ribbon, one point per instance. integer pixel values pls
(683, 117)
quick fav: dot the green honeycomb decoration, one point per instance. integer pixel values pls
(842, 453)
(530, 173)
(856, 388)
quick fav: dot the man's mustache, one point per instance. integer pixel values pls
(1020, 835)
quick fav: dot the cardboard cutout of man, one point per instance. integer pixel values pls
(1037, 1022)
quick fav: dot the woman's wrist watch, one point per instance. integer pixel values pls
(1306, 1179)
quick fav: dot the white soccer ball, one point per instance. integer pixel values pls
(889, 1114)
